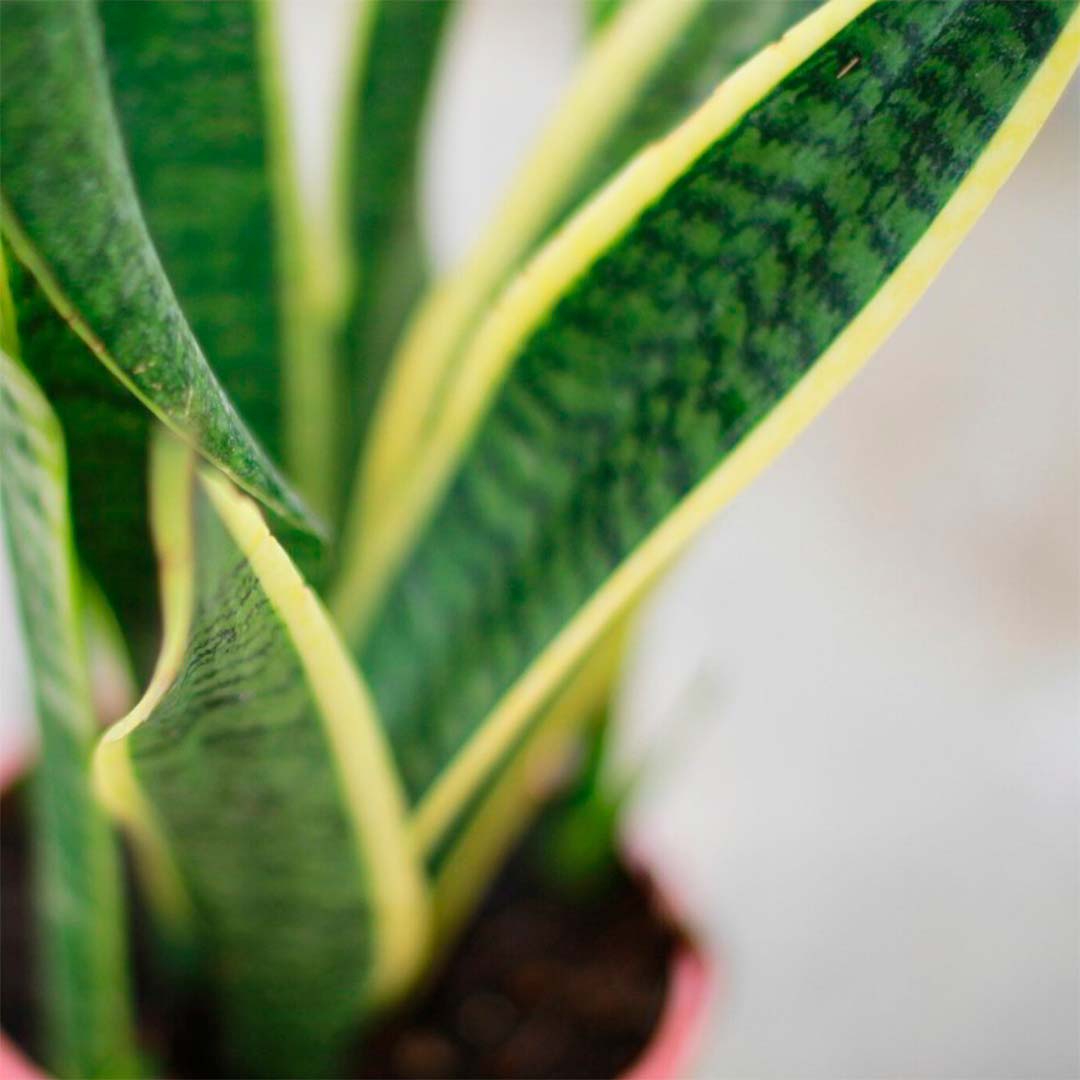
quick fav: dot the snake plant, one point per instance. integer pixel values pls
(371, 543)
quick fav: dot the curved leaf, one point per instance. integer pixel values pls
(657, 61)
(312, 281)
(92, 254)
(255, 783)
(106, 431)
(79, 904)
(186, 83)
(674, 337)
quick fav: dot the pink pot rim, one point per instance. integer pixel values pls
(667, 1055)
(13, 1065)
(671, 1050)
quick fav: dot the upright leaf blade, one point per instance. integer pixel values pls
(598, 13)
(676, 335)
(255, 781)
(92, 254)
(187, 85)
(106, 431)
(79, 905)
(380, 152)
(656, 61)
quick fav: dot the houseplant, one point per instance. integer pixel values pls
(314, 799)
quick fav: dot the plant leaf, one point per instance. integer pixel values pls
(106, 431)
(657, 60)
(79, 904)
(673, 337)
(379, 153)
(187, 88)
(473, 847)
(92, 254)
(312, 280)
(186, 82)
(255, 782)
(598, 13)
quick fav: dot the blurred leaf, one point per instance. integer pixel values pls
(79, 907)
(672, 339)
(379, 151)
(528, 774)
(659, 60)
(256, 786)
(187, 85)
(598, 13)
(71, 215)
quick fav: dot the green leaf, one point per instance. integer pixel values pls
(106, 431)
(186, 82)
(255, 783)
(471, 848)
(598, 13)
(672, 338)
(657, 61)
(92, 254)
(79, 905)
(379, 151)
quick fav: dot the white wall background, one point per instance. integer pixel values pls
(870, 665)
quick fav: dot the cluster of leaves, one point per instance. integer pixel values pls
(732, 206)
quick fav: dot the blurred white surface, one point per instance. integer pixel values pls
(878, 811)
(875, 812)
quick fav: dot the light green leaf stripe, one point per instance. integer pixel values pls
(602, 92)
(79, 904)
(312, 281)
(93, 255)
(598, 13)
(674, 336)
(259, 790)
(654, 63)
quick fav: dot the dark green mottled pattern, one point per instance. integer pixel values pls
(186, 85)
(235, 761)
(79, 909)
(68, 191)
(679, 340)
(380, 160)
(714, 43)
(106, 431)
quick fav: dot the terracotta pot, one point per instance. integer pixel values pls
(668, 1055)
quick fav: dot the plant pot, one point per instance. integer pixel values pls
(667, 1055)
(670, 1052)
